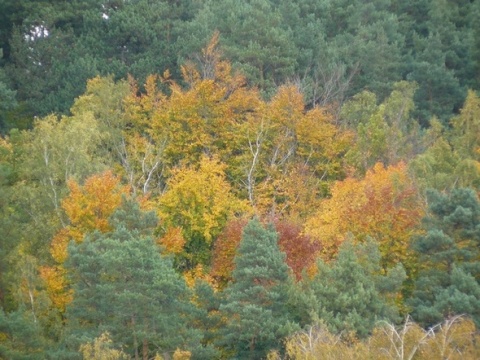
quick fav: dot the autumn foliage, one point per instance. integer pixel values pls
(300, 249)
(384, 205)
(224, 250)
(88, 208)
(206, 154)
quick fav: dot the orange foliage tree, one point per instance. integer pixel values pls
(300, 249)
(384, 205)
(224, 251)
(88, 208)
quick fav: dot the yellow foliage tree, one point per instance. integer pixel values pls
(201, 118)
(262, 144)
(100, 349)
(290, 150)
(199, 201)
(88, 208)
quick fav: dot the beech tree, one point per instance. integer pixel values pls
(199, 202)
(385, 206)
(88, 208)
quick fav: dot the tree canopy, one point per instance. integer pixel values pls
(214, 179)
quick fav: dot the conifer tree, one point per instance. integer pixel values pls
(20, 336)
(350, 295)
(255, 303)
(449, 253)
(123, 285)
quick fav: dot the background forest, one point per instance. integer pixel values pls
(239, 180)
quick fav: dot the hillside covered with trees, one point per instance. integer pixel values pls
(239, 180)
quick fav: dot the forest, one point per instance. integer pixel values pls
(258, 179)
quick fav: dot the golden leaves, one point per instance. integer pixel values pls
(88, 208)
(384, 205)
(199, 200)
(55, 280)
(173, 240)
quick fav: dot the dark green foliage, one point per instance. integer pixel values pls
(136, 38)
(256, 302)
(20, 336)
(440, 91)
(60, 45)
(441, 58)
(331, 49)
(350, 295)
(253, 37)
(123, 285)
(449, 254)
(207, 319)
(7, 101)
(48, 71)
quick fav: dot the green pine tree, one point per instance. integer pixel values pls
(123, 285)
(350, 295)
(255, 303)
(20, 336)
(449, 253)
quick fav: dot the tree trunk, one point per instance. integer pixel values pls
(145, 349)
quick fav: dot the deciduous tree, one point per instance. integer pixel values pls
(88, 208)
(199, 201)
(384, 205)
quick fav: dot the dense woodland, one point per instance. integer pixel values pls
(221, 179)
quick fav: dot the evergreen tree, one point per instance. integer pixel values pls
(54, 47)
(440, 92)
(255, 303)
(207, 319)
(7, 100)
(253, 36)
(124, 286)
(449, 253)
(20, 336)
(350, 295)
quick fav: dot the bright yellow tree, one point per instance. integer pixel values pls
(198, 118)
(88, 208)
(199, 201)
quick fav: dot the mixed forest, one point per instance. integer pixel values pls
(222, 179)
